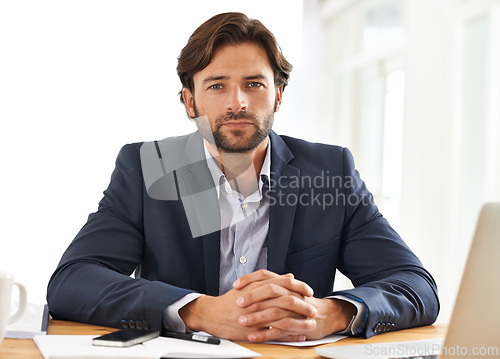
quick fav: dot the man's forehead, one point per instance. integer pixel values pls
(248, 49)
(240, 61)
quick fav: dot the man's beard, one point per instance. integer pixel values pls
(235, 142)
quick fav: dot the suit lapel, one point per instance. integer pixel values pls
(284, 198)
(200, 202)
(211, 249)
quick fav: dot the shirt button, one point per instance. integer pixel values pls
(243, 259)
(244, 206)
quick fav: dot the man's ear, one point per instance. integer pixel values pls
(279, 97)
(188, 101)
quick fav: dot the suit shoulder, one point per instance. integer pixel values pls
(133, 149)
(313, 151)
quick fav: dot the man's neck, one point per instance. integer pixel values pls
(242, 169)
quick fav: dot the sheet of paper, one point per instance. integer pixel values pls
(329, 339)
(33, 322)
(80, 346)
(176, 348)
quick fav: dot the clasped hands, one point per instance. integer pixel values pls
(266, 306)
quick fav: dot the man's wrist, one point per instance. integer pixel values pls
(334, 315)
(171, 319)
(347, 311)
(191, 313)
(357, 324)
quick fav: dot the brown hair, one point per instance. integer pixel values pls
(228, 29)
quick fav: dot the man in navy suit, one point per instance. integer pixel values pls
(234, 230)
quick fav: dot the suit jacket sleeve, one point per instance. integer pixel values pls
(92, 282)
(397, 291)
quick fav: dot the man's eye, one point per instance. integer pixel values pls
(254, 84)
(216, 87)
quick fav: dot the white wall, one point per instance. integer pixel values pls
(428, 179)
(446, 129)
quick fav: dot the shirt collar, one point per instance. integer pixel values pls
(215, 171)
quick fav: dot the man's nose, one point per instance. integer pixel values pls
(236, 100)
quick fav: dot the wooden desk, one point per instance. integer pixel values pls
(27, 349)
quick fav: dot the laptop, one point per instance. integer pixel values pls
(474, 330)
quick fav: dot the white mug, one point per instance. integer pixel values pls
(6, 284)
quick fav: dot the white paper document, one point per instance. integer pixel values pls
(329, 339)
(33, 322)
(80, 346)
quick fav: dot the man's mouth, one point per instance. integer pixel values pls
(237, 124)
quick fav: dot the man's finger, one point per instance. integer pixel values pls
(286, 327)
(272, 288)
(275, 309)
(257, 276)
(263, 318)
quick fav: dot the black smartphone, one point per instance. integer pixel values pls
(125, 337)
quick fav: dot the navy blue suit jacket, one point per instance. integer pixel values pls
(322, 218)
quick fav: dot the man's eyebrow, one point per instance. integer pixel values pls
(225, 77)
(255, 77)
(215, 78)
